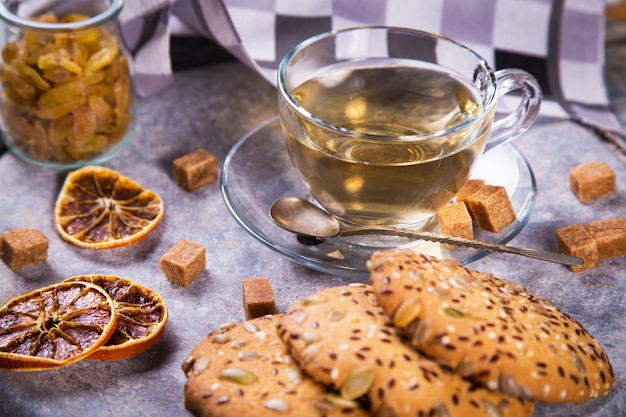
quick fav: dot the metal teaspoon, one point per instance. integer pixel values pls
(299, 216)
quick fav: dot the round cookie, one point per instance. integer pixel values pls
(340, 336)
(244, 369)
(490, 329)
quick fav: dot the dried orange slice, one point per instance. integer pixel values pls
(99, 208)
(141, 317)
(55, 326)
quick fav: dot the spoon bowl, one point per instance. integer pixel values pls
(299, 216)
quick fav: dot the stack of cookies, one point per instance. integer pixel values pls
(426, 338)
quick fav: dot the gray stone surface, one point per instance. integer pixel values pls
(211, 107)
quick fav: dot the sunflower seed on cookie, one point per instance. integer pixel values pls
(244, 369)
(490, 329)
(341, 337)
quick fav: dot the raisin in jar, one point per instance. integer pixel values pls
(67, 96)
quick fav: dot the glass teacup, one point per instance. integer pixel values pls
(384, 124)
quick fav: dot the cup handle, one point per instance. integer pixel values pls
(519, 120)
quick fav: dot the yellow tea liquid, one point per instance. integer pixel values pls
(389, 180)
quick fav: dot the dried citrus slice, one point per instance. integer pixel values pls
(55, 326)
(99, 208)
(141, 317)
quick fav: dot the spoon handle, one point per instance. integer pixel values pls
(459, 241)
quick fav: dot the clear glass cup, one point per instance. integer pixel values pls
(384, 124)
(66, 92)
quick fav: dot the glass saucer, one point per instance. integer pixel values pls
(257, 171)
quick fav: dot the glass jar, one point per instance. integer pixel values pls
(66, 92)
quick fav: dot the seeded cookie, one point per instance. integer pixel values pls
(341, 338)
(490, 329)
(244, 369)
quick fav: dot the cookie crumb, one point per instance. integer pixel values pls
(182, 263)
(610, 236)
(455, 220)
(23, 247)
(336, 254)
(195, 170)
(258, 297)
(575, 240)
(491, 208)
(592, 180)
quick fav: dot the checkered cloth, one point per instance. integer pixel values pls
(560, 42)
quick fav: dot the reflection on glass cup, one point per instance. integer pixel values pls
(66, 96)
(384, 124)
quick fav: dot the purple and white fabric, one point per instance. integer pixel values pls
(560, 42)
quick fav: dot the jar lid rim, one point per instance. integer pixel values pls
(109, 14)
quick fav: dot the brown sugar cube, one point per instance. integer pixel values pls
(195, 170)
(576, 241)
(182, 263)
(258, 297)
(455, 220)
(469, 188)
(610, 236)
(592, 180)
(491, 208)
(23, 247)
